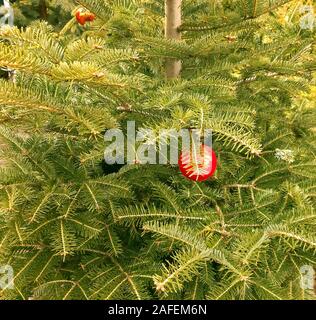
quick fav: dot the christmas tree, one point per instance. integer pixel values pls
(76, 227)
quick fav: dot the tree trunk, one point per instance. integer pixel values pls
(43, 10)
(173, 22)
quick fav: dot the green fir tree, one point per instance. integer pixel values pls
(74, 227)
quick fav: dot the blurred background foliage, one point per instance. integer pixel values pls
(55, 12)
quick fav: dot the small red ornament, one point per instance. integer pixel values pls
(84, 16)
(198, 166)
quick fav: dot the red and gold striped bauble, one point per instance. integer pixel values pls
(198, 166)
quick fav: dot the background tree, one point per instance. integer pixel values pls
(56, 12)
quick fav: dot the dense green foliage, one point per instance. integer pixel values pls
(75, 228)
(55, 12)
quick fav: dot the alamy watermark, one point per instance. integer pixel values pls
(307, 277)
(308, 20)
(145, 146)
(6, 277)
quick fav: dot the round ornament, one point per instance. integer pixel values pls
(198, 166)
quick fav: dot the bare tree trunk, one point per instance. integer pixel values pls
(173, 22)
(43, 10)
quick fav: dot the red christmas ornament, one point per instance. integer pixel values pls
(84, 16)
(198, 166)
